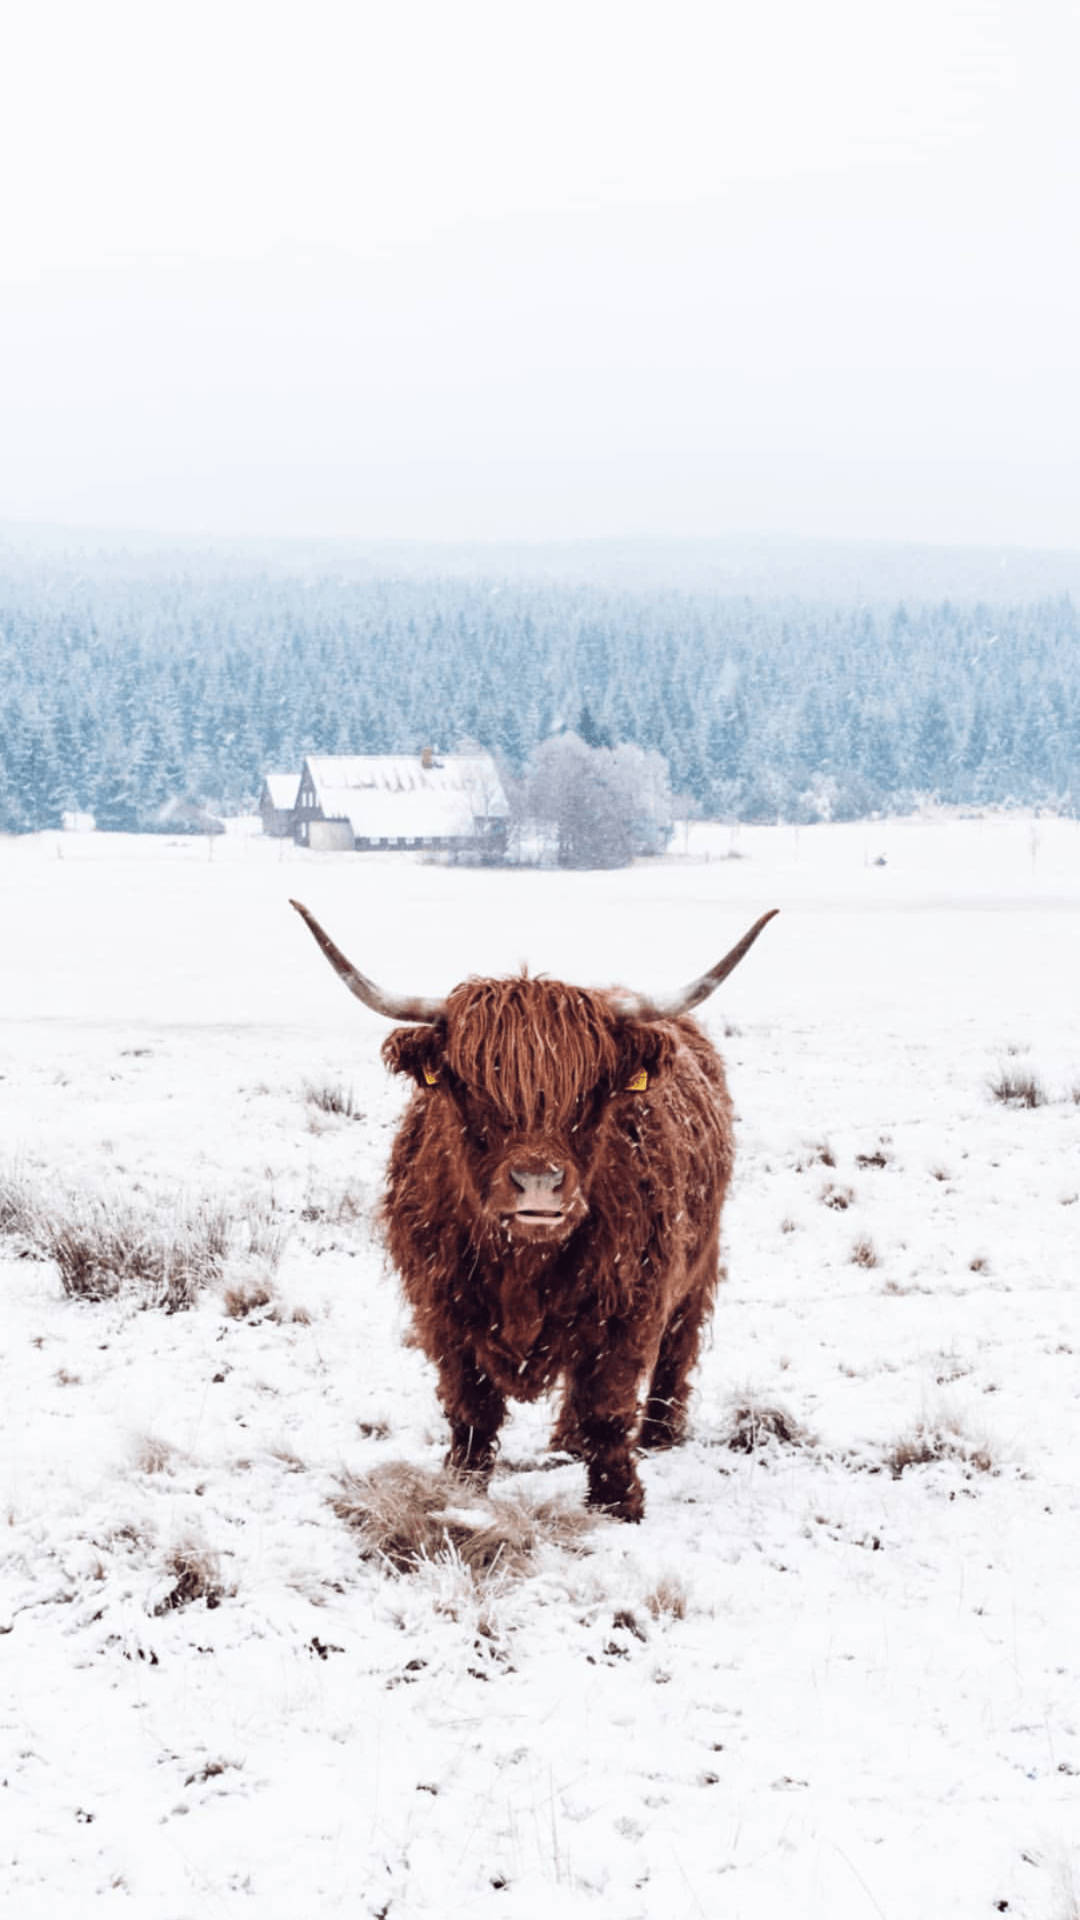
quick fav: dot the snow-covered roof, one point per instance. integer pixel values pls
(399, 796)
(376, 815)
(282, 789)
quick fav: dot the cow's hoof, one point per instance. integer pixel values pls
(657, 1435)
(477, 1466)
(625, 1503)
(631, 1507)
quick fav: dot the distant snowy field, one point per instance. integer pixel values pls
(824, 1679)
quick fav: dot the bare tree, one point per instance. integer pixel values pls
(598, 806)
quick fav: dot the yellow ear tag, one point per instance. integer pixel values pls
(639, 1082)
(431, 1078)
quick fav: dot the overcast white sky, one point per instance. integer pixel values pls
(485, 268)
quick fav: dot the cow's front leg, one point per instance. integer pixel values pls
(613, 1478)
(475, 1409)
(602, 1407)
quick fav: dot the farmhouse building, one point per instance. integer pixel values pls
(277, 803)
(453, 802)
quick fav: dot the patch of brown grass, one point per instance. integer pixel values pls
(754, 1424)
(668, 1596)
(196, 1572)
(838, 1198)
(102, 1249)
(152, 1454)
(18, 1208)
(864, 1253)
(286, 1457)
(1013, 1087)
(820, 1154)
(247, 1297)
(210, 1770)
(943, 1441)
(332, 1097)
(161, 1251)
(408, 1516)
(875, 1159)
(323, 1206)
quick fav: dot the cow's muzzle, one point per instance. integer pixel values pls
(537, 1197)
(538, 1194)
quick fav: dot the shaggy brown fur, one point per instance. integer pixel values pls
(552, 1224)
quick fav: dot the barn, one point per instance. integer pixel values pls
(451, 802)
(277, 803)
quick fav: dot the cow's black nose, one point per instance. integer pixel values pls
(548, 1182)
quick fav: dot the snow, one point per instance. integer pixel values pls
(810, 1683)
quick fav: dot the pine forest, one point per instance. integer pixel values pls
(121, 691)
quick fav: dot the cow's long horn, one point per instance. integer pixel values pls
(699, 989)
(394, 1006)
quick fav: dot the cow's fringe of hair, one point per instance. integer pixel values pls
(532, 1073)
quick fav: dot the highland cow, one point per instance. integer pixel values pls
(553, 1205)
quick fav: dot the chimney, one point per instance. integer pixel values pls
(426, 758)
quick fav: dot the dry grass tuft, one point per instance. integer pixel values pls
(152, 1454)
(246, 1298)
(838, 1198)
(103, 1248)
(754, 1424)
(324, 1206)
(410, 1516)
(332, 1097)
(819, 1154)
(876, 1159)
(19, 1208)
(260, 1235)
(669, 1596)
(211, 1770)
(864, 1253)
(197, 1576)
(1014, 1088)
(162, 1252)
(943, 1441)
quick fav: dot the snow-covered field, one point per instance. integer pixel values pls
(835, 1675)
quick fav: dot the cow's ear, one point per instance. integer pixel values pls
(646, 1052)
(417, 1051)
